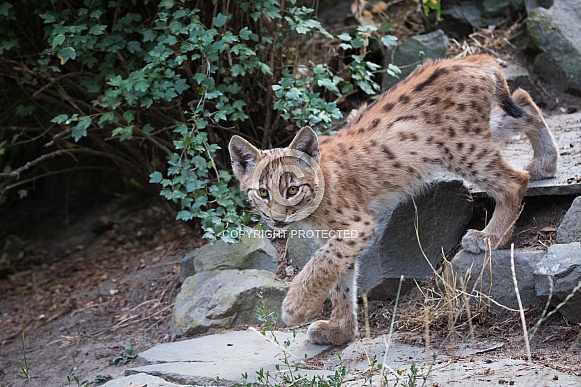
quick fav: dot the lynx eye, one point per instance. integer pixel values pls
(263, 192)
(292, 190)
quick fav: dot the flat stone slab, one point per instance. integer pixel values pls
(225, 357)
(447, 368)
(566, 129)
(142, 380)
(221, 359)
(359, 355)
(509, 372)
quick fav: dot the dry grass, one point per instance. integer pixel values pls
(443, 310)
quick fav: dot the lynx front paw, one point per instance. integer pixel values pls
(323, 332)
(298, 307)
(476, 241)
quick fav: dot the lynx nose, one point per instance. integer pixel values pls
(278, 217)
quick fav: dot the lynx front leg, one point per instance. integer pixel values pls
(342, 326)
(310, 287)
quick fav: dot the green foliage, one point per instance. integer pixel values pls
(24, 368)
(101, 379)
(73, 378)
(298, 102)
(128, 354)
(154, 90)
(432, 5)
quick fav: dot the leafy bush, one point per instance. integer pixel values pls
(133, 85)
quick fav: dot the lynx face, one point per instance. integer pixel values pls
(285, 185)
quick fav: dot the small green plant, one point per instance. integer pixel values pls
(291, 375)
(128, 354)
(24, 368)
(101, 379)
(73, 378)
(432, 5)
(407, 379)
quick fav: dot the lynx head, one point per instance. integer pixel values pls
(284, 184)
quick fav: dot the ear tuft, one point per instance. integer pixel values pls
(244, 156)
(306, 141)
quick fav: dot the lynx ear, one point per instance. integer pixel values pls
(306, 141)
(244, 156)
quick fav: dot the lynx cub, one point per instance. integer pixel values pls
(448, 114)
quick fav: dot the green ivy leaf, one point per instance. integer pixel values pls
(129, 115)
(358, 42)
(66, 53)
(97, 30)
(245, 33)
(80, 130)
(389, 40)
(5, 9)
(155, 177)
(107, 118)
(60, 119)
(58, 40)
(219, 20)
(133, 46)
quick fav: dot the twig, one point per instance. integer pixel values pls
(490, 349)
(52, 81)
(34, 178)
(534, 329)
(542, 318)
(144, 303)
(366, 315)
(388, 342)
(520, 307)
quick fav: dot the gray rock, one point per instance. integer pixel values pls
(444, 210)
(532, 4)
(248, 253)
(494, 10)
(555, 34)
(461, 17)
(408, 55)
(300, 249)
(142, 379)
(223, 358)
(224, 299)
(570, 228)
(492, 275)
(519, 77)
(357, 355)
(562, 263)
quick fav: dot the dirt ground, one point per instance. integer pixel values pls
(109, 286)
(99, 285)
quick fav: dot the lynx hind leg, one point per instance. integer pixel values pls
(543, 164)
(507, 189)
(342, 325)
